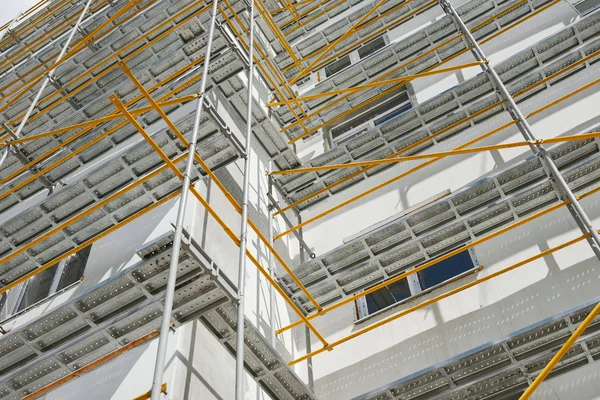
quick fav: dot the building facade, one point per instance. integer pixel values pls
(420, 186)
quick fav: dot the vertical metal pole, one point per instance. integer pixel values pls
(578, 213)
(9, 27)
(51, 73)
(239, 359)
(272, 304)
(159, 367)
(308, 345)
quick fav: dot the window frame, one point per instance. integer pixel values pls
(417, 291)
(14, 301)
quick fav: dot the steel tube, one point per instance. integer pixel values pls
(272, 305)
(527, 132)
(239, 355)
(49, 75)
(563, 350)
(441, 297)
(161, 353)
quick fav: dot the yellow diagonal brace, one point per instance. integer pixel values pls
(215, 215)
(214, 178)
(405, 78)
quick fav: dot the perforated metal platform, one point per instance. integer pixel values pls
(128, 306)
(489, 204)
(89, 77)
(389, 59)
(502, 369)
(314, 35)
(99, 176)
(519, 72)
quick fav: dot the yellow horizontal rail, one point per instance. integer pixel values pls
(441, 297)
(479, 149)
(206, 169)
(93, 365)
(410, 61)
(264, 56)
(458, 123)
(214, 214)
(404, 79)
(77, 150)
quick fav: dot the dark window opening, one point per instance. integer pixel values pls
(54, 279)
(445, 270)
(371, 47)
(387, 296)
(437, 274)
(389, 109)
(337, 66)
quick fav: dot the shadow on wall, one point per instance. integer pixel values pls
(106, 381)
(555, 292)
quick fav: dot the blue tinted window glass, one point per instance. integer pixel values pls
(445, 270)
(387, 296)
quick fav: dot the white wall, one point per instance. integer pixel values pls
(486, 312)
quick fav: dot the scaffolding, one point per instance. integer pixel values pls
(80, 79)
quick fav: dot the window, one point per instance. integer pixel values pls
(445, 270)
(48, 282)
(387, 296)
(428, 280)
(371, 47)
(337, 66)
(383, 111)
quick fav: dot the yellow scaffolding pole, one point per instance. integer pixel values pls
(377, 97)
(277, 32)
(403, 79)
(76, 136)
(373, 189)
(338, 40)
(410, 61)
(455, 291)
(80, 44)
(33, 22)
(561, 353)
(310, 19)
(155, 106)
(479, 149)
(93, 365)
(33, 46)
(521, 92)
(96, 122)
(290, 6)
(260, 66)
(351, 46)
(213, 213)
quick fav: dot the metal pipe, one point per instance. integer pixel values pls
(3, 156)
(401, 79)
(51, 73)
(410, 61)
(161, 353)
(91, 366)
(563, 350)
(441, 297)
(527, 132)
(479, 149)
(307, 343)
(10, 25)
(211, 211)
(272, 319)
(239, 355)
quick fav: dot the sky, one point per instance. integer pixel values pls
(10, 8)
